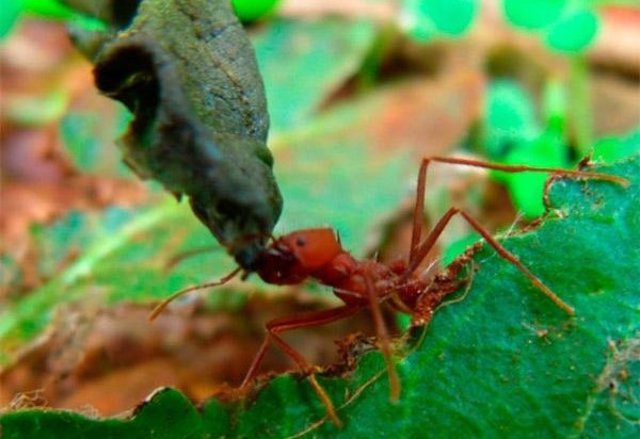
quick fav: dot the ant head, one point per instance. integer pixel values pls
(296, 256)
(278, 265)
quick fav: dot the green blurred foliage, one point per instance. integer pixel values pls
(51, 9)
(303, 62)
(9, 14)
(12, 10)
(252, 10)
(567, 26)
(533, 15)
(514, 136)
(526, 189)
(573, 32)
(40, 109)
(427, 19)
(84, 135)
(509, 117)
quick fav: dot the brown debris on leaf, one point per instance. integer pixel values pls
(110, 360)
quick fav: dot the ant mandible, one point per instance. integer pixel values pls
(317, 253)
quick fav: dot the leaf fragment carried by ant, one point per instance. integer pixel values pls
(186, 70)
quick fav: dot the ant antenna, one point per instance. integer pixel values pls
(187, 254)
(158, 309)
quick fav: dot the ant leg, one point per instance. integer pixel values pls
(418, 210)
(422, 177)
(278, 326)
(284, 324)
(383, 335)
(162, 305)
(423, 248)
(510, 257)
(524, 168)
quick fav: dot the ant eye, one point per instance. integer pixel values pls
(300, 242)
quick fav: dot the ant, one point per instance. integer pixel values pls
(318, 254)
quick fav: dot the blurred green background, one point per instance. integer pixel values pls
(358, 92)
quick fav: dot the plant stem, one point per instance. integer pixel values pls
(581, 116)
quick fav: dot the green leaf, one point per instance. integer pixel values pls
(303, 62)
(573, 32)
(610, 149)
(167, 414)
(533, 15)
(500, 361)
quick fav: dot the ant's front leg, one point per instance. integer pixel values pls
(278, 326)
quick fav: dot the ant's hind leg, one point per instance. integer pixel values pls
(509, 257)
(422, 181)
(423, 248)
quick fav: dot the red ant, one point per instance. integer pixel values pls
(318, 254)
